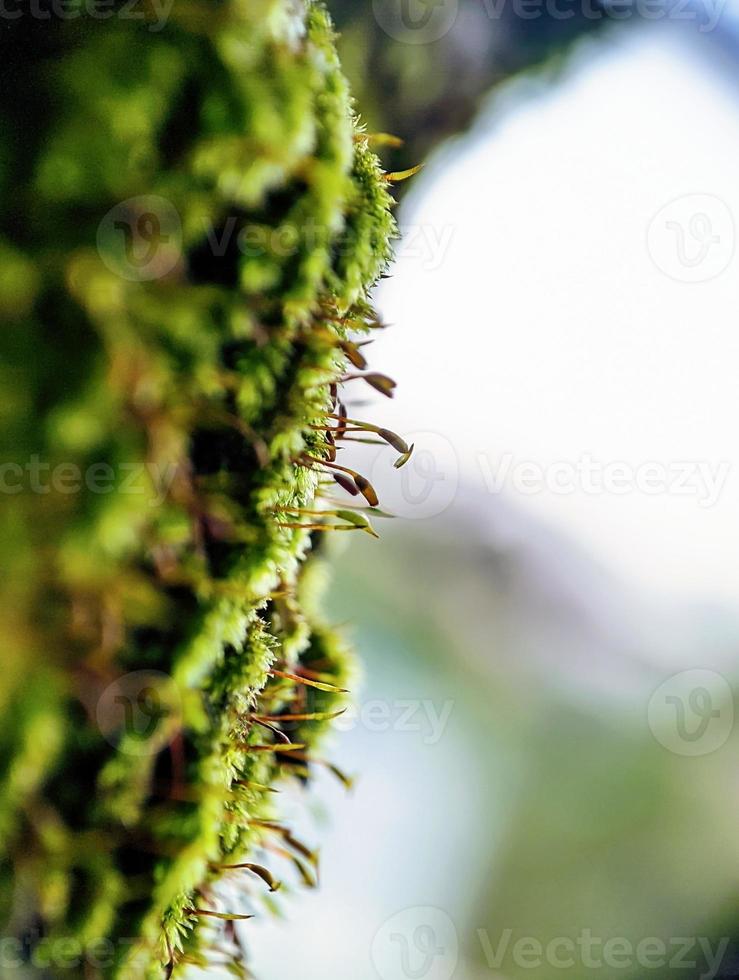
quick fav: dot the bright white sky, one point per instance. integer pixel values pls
(548, 332)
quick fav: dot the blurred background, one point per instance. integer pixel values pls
(544, 737)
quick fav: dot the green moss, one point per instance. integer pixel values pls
(176, 369)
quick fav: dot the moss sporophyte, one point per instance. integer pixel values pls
(166, 663)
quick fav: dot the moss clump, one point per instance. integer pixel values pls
(192, 220)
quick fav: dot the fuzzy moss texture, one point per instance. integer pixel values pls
(147, 621)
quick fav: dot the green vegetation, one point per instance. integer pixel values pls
(192, 220)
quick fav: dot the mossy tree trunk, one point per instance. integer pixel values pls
(191, 221)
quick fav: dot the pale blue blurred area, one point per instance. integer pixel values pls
(561, 795)
(407, 834)
(542, 809)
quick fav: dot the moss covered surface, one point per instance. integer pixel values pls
(191, 221)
